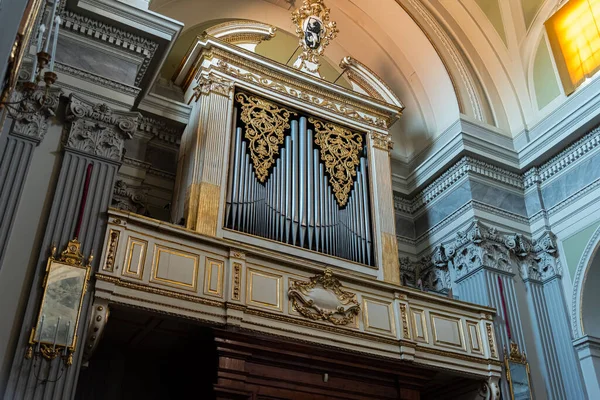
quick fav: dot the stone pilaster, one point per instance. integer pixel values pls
(95, 136)
(202, 156)
(28, 128)
(383, 206)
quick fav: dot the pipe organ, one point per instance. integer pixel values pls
(298, 180)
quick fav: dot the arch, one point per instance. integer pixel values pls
(378, 33)
(589, 258)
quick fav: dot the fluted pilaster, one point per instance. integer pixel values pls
(96, 138)
(29, 126)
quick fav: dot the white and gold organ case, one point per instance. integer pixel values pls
(285, 219)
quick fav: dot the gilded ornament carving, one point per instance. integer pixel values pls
(315, 31)
(111, 254)
(306, 93)
(404, 315)
(265, 126)
(490, 336)
(340, 149)
(98, 130)
(237, 281)
(323, 299)
(382, 142)
(31, 117)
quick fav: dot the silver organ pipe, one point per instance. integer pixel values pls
(295, 204)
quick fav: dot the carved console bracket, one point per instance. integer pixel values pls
(322, 299)
(97, 323)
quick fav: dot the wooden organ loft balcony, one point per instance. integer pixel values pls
(257, 299)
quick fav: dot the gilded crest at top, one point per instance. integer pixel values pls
(315, 31)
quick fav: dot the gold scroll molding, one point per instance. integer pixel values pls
(340, 149)
(323, 299)
(236, 281)
(202, 208)
(265, 126)
(490, 336)
(404, 316)
(390, 263)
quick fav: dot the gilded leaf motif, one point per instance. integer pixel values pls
(340, 149)
(265, 126)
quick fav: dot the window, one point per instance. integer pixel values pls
(575, 39)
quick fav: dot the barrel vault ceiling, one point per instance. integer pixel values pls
(445, 59)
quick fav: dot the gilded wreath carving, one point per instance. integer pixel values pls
(340, 149)
(265, 126)
(323, 299)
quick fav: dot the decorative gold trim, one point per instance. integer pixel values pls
(470, 326)
(161, 292)
(340, 150)
(515, 356)
(236, 283)
(164, 281)
(307, 94)
(250, 273)
(490, 336)
(209, 264)
(265, 125)
(299, 294)
(111, 253)
(391, 319)
(404, 318)
(422, 322)
(131, 243)
(382, 142)
(461, 334)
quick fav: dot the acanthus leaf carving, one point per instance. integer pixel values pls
(323, 299)
(98, 130)
(34, 110)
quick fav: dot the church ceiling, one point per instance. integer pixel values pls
(443, 58)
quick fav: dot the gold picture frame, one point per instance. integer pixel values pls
(517, 373)
(65, 285)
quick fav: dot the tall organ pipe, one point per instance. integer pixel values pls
(296, 204)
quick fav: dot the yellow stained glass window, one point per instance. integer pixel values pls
(574, 35)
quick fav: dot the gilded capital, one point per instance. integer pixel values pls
(212, 83)
(382, 142)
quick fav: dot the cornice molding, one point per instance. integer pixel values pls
(89, 27)
(160, 130)
(97, 79)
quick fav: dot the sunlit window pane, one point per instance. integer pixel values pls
(575, 38)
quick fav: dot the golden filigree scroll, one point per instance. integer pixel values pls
(265, 126)
(340, 149)
(322, 299)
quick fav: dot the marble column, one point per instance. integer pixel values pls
(383, 206)
(588, 350)
(479, 259)
(556, 319)
(96, 137)
(28, 125)
(203, 155)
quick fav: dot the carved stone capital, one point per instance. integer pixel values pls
(425, 274)
(130, 198)
(32, 114)
(382, 142)
(98, 130)
(546, 254)
(212, 83)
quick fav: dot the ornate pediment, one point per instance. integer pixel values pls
(323, 299)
